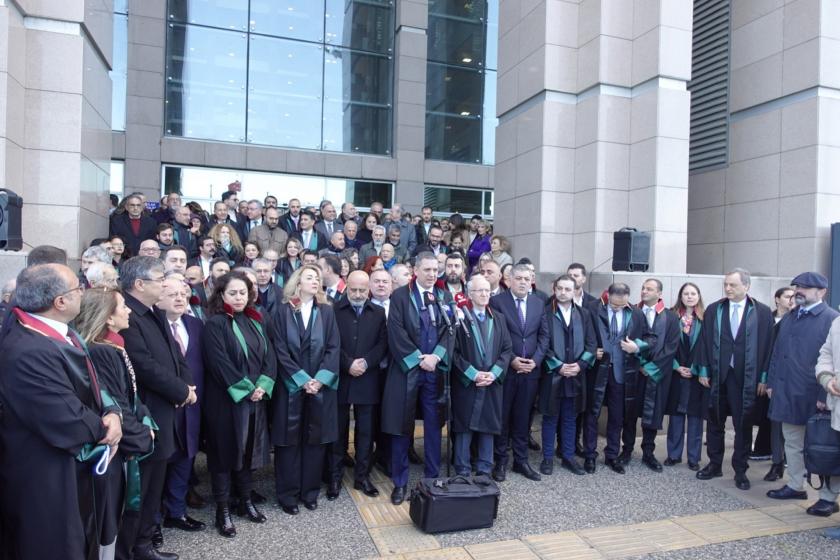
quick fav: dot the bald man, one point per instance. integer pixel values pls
(364, 344)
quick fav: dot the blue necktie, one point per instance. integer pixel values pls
(734, 320)
(614, 326)
(802, 312)
(480, 317)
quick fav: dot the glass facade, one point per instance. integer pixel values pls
(205, 185)
(313, 74)
(461, 80)
(448, 200)
(119, 72)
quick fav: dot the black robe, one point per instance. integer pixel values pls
(757, 325)
(135, 444)
(364, 336)
(479, 409)
(48, 417)
(584, 344)
(232, 373)
(402, 384)
(657, 363)
(301, 418)
(687, 396)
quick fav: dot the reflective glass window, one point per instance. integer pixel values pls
(456, 42)
(464, 201)
(469, 10)
(489, 122)
(285, 89)
(205, 83)
(117, 180)
(450, 89)
(119, 72)
(295, 19)
(453, 138)
(226, 14)
(365, 25)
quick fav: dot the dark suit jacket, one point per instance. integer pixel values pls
(420, 232)
(162, 372)
(195, 362)
(185, 238)
(321, 240)
(361, 337)
(532, 342)
(120, 224)
(321, 227)
(288, 224)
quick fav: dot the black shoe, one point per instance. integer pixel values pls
(194, 500)
(652, 463)
(149, 553)
(787, 493)
(822, 508)
(741, 481)
(572, 466)
(157, 537)
(499, 474)
(291, 510)
(624, 457)
(413, 457)
(615, 465)
(547, 467)
(532, 443)
(247, 509)
(709, 472)
(311, 506)
(526, 471)
(776, 472)
(348, 461)
(398, 495)
(367, 488)
(693, 466)
(589, 465)
(671, 462)
(185, 523)
(333, 490)
(224, 523)
(480, 473)
(257, 498)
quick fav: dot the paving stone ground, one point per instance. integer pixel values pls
(565, 517)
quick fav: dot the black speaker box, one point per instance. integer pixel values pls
(10, 205)
(631, 250)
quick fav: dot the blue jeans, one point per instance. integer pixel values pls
(567, 416)
(484, 463)
(676, 437)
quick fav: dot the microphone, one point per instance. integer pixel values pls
(431, 300)
(460, 302)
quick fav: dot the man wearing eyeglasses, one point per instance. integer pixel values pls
(132, 225)
(55, 414)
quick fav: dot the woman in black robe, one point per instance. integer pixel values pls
(239, 378)
(290, 262)
(686, 397)
(103, 314)
(305, 410)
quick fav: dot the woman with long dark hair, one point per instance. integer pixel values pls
(103, 314)
(240, 370)
(369, 222)
(306, 405)
(290, 261)
(687, 398)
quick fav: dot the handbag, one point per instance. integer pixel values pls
(441, 505)
(822, 449)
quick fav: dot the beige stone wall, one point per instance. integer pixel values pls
(55, 107)
(771, 208)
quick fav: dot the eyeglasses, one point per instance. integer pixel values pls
(80, 288)
(483, 291)
(153, 279)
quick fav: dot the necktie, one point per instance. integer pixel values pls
(178, 338)
(520, 307)
(358, 311)
(614, 326)
(734, 320)
(650, 316)
(253, 224)
(802, 312)
(329, 228)
(480, 317)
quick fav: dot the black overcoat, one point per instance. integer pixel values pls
(687, 396)
(365, 337)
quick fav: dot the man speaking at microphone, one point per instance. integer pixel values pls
(420, 340)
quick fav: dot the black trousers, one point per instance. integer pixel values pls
(614, 401)
(519, 393)
(363, 438)
(731, 404)
(628, 436)
(137, 527)
(297, 473)
(221, 484)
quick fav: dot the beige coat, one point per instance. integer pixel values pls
(828, 367)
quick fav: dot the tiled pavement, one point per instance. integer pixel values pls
(640, 514)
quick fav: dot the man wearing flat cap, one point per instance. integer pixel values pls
(792, 387)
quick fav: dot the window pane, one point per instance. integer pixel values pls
(454, 90)
(117, 178)
(353, 127)
(355, 76)
(205, 83)
(453, 138)
(456, 42)
(464, 201)
(472, 10)
(363, 193)
(362, 25)
(296, 19)
(489, 120)
(284, 104)
(119, 74)
(227, 14)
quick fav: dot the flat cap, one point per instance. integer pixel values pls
(810, 280)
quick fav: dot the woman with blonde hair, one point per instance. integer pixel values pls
(228, 244)
(500, 249)
(305, 405)
(102, 315)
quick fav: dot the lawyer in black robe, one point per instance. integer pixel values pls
(305, 404)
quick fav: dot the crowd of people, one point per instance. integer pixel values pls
(249, 334)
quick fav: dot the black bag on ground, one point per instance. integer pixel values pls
(439, 505)
(822, 448)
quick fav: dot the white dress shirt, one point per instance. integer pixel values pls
(58, 326)
(306, 312)
(182, 331)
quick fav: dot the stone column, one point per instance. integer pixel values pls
(55, 112)
(593, 132)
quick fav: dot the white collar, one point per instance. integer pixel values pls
(58, 326)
